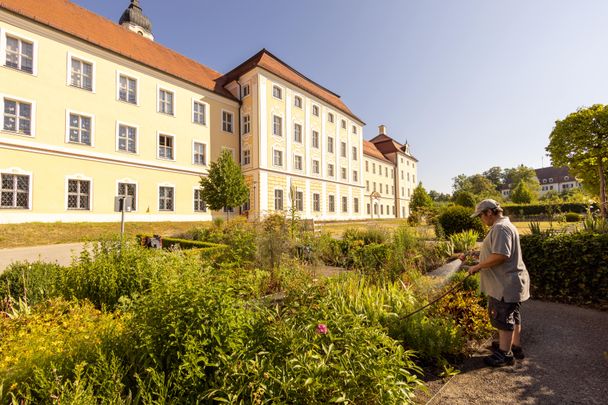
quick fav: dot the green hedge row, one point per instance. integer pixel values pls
(544, 209)
(206, 249)
(569, 268)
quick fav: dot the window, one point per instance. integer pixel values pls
(128, 190)
(381, 209)
(315, 139)
(297, 133)
(199, 153)
(330, 144)
(315, 110)
(392, 173)
(127, 138)
(366, 166)
(300, 200)
(544, 180)
(15, 192)
(367, 185)
(246, 156)
(315, 167)
(165, 147)
(19, 54)
(17, 117)
(297, 101)
(413, 178)
(343, 124)
(166, 198)
(81, 74)
(80, 129)
(354, 129)
(343, 173)
(551, 180)
(277, 92)
(297, 162)
(246, 124)
(343, 149)
(344, 204)
(355, 175)
(278, 200)
(199, 204)
(374, 186)
(330, 117)
(402, 192)
(330, 170)
(277, 125)
(79, 193)
(127, 89)
(245, 91)
(227, 119)
(369, 211)
(316, 202)
(277, 158)
(199, 113)
(356, 205)
(386, 172)
(380, 185)
(374, 168)
(331, 203)
(355, 154)
(165, 102)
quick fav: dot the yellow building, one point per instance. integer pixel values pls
(94, 110)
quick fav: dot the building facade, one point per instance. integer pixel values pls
(93, 110)
(551, 179)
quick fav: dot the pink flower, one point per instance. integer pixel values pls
(322, 329)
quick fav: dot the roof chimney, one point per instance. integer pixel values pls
(382, 130)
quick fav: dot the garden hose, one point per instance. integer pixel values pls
(457, 287)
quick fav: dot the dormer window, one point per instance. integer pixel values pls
(550, 180)
(544, 180)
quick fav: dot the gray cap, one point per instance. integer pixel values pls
(486, 205)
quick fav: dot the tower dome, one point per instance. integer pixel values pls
(134, 19)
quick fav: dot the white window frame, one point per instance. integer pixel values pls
(343, 173)
(160, 88)
(158, 186)
(330, 117)
(316, 208)
(205, 116)
(314, 144)
(299, 202)
(355, 176)
(194, 190)
(248, 87)
(158, 135)
(274, 195)
(230, 113)
(282, 157)
(79, 57)
(15, 171)
(343, 149)
(298, 97)
(354, 129)
(281, 90)
(355, 205)
(333, 145)
(343, 124)
(3, 97)
(130, 181)
(79, 177)
(333, 170)
(331, 203)
(246, 124)
(118, 124)
(205, 153)
(355, 153)
(245, 156)
(315, 108)
(297, 155)
(274, 116)
(296, 124)
(318, 171)
(3, 34)
(120, 73)
(67, 127)
(344, 204)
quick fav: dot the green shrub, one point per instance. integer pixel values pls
(464, 241)
(543, 209)
(457, 219)
(465, 199)
(29, 282)
(570, 268)
(572, 217)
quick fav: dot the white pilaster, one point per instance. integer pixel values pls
(263, 186)
(263, 120)
(308, 201)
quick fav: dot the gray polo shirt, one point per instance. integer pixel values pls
(510, 280)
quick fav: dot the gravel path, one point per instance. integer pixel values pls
(566, 362)
(61, 254)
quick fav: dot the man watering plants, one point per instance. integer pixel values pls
(504, 279)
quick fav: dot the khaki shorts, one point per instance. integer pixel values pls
(504, 315)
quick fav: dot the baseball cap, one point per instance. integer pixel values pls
(486, 204)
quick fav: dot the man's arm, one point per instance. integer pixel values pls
(493, 260)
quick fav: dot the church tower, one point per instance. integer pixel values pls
(134, 20)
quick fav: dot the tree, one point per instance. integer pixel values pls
(524, 174)
(495, 175)
(420, 199)
(521, 193)
(461, 183)
(580, 141)
(464, 199)
(439, 197)
(224, 185)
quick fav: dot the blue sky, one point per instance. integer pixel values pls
(470, 84)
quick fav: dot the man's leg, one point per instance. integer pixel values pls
(516, 335)
(506, 339)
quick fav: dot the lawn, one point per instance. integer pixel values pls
(38, 233)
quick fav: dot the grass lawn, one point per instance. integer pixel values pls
(38, 233)
(523, 227)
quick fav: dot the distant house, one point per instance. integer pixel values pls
(556, 179)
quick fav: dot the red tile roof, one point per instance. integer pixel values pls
(370, 149)
(272, 64)
(72, 19)
(385, 144)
